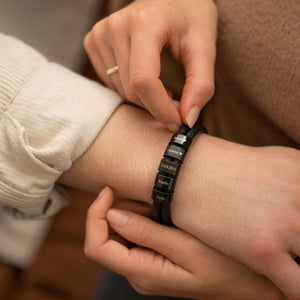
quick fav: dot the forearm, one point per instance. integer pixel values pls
(126, 155)
(215, 174)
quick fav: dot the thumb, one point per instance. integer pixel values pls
(147, 233)
(199, 86)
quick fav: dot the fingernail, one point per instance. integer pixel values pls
(173, 127)
(192, 116)
(117, 217)
(103, 192)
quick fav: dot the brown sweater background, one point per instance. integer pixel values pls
(257, 102)
(257, 98)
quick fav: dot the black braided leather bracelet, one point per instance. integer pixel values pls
(168, 170)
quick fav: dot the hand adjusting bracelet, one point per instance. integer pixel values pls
(168, 170)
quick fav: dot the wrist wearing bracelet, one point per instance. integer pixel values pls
(168, 171)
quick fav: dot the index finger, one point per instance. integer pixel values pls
(172, 243)
(98, 246)
(144, 72)
(110, 253)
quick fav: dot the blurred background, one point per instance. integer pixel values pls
(54, 27)
(57, 267)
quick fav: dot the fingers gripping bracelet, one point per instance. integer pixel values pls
(168, 170)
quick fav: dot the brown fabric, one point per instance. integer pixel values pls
(114, 5)
(257, 98)
(60, 271)
(8, 280)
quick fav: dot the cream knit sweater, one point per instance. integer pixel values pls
(48, 117)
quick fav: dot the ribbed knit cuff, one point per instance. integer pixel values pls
(48, 117)
(20, 240)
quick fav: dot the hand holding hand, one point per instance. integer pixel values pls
(170, 262)
(245, 202)
(133, 38)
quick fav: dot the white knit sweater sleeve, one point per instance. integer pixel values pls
(48, 117)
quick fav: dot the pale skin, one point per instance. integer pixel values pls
(243, 201)
(133, 39)
(171, 262)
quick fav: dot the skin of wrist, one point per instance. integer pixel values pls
(195, 181)
(125, 155)
(214, 177)
(203, 180)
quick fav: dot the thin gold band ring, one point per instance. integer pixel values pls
(112, 70)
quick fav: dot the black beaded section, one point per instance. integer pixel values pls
(157, 208)
(179, 139)
(176, 152)
(169, 167)
(160, 196)
(196, 129)
(166, 214)
(165, 183)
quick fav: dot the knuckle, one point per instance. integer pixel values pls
(143, 233)
(143, 15)
(138, 81)
(99, 29)
(115, 22)
(207, 88)
(130, 95)
(262, 251)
